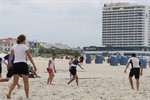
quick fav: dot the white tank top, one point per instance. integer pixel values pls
(52, 64)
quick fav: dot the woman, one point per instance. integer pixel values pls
(20, 67)
(73, 70)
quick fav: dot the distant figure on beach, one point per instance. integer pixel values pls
(0, 67)
(51, 69)
(10, 70)
(81, 59)
(70, 62)
(136, 70)
(73, 70)
(20, 67)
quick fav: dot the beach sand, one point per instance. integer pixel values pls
(96, 82)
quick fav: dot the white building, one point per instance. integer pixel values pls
(126, 24)
(6, 44)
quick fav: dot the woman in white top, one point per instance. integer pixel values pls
(51, 69)
(20, 67)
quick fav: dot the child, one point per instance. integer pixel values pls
(73, 70)
(135, 70)
(51, 69)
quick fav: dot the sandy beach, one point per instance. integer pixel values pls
(96, 82)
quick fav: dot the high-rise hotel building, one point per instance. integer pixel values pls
(125, 24)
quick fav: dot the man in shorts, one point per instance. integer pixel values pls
(136, 70)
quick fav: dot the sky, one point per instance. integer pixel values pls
(76, 23)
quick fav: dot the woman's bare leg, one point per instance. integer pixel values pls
(15, 81)
(26, 84)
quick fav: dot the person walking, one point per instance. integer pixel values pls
(20, 67)
(136, 70)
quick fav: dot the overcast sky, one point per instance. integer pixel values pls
(72, 22)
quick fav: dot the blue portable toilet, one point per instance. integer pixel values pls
(124, 60)
(88, 58)
(99, 59)
(114, 60)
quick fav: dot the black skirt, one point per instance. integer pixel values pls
(20, 68)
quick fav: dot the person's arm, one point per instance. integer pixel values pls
(69, 63)
(80, 66)
(126, 67)
(4, 61)
(31, 60)
(10, 59)
(54, 68)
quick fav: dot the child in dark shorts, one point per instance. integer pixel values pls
(73, 70)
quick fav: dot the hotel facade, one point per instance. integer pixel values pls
(125, 24)
(125, 29)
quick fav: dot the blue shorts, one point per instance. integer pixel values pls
(73, 70)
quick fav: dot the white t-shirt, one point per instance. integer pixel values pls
(19, 52)
(52, 64)
(135, 62)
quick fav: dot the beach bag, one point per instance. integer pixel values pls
(49, 70)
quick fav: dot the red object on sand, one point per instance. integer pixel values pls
(49, 70)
